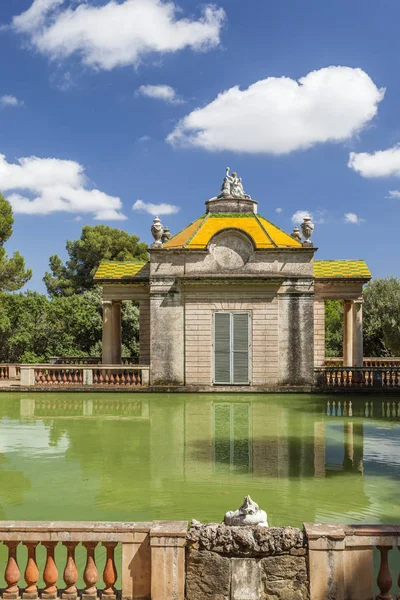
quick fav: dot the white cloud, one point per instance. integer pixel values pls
(299, 216)
(144, 138)
(155, 209)
(117, 33)
(383, 163)
(161, 92)
(8, 100)
(40, 186)
(280, 115)
(352, 218)
(394, 194)
(318, 217)
(278, 210)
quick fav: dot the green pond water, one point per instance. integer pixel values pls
(141, 457)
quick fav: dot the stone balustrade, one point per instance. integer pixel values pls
(162, 560)
(84, 375)
(358, 377)
(388, 361)
(153, 560)
(10, 371)
(87, 360)
(341, 562)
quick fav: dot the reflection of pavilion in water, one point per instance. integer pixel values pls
(187, 448)
(216, 438)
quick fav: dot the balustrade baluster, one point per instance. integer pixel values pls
(70, 572)
(50, 573)
(110, 571)
(90, 574)
(384, 579)
(95, 376)
(31, 574)
(12, 572)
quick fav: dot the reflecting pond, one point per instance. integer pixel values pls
(163, 456)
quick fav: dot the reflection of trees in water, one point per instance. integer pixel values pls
(113, 452)
(13, 485)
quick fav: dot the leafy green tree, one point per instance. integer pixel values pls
(33, 327)
(13, 274)
(97, 243)
(333, 328)
(26, 334)
(381, 317)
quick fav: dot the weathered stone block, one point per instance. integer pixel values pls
(208, 576)
(246, 579)
(285, 577)
(245, 541)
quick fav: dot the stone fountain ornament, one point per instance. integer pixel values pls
(296, 234)
(307, 227)
(232, 186)
(247, 514)
(157, 231)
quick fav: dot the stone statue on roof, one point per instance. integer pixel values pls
(232, 186)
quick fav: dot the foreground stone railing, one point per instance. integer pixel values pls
(153, 560)
(82, 375)
(356, 377)
(161, 560)
(341, 560)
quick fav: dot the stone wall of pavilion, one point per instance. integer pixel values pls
(274, 286)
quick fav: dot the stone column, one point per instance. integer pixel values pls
(107, 333)
(117, 333)
(348, 334)
(144, 332)
(111, 333)
(358, 351)
(167, 325)
(296, 333)
(319, 333)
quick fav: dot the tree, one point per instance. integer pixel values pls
(97, 243)
(33, 327)
(13, 274)
(333, 328)
(382, 317)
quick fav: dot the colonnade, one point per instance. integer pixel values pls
(353, 351)
(112, 332)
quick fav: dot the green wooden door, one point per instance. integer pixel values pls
(231, 348)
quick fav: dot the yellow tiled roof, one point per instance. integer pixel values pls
(263, 233)
(109, 269)
(341, 268)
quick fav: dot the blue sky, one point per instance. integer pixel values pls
(98, 98)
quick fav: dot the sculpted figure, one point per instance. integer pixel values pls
(248, 514)
(232, 186)
(157, 231)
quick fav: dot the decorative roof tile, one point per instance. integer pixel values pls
(341, 269)
(109, 269)
(263, 233)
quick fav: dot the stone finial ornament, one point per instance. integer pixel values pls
(307, 227)
(232, 186)
(296, 234)
(157, 231)
(247, 514)
(167, 235)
